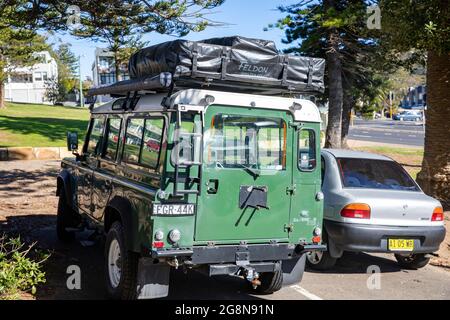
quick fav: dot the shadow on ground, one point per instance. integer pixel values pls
(20, 182)
(88, 256)
(354, 263)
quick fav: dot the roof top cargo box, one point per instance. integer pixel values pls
(228, 64)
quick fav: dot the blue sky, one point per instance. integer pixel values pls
(245, 17)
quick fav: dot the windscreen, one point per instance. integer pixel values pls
(234, 141)
(375, 174)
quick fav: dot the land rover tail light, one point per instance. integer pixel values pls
(356, 210)
(438, 214)
(158, 244)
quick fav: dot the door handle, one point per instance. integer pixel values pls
(212, 186)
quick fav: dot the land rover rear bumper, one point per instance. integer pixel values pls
(238, 253)
(374, 238)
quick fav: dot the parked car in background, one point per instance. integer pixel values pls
(372, 205)
(408, 116)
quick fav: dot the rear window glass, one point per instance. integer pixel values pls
(237, 141)
(307, 150)
(374, 174)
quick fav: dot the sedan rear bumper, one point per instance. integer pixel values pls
(374, 238)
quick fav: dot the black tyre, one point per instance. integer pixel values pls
(413, 261)
(270, 282)
(64, 219)
(120, 265)
(320, 260)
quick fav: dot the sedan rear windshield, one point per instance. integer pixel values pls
(375, 174)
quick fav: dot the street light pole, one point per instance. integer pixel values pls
(81, 83)
(390, 104)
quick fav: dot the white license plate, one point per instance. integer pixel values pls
(173, 209)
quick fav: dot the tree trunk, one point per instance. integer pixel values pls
(2, 95)
(434, 178)
(333, 134)
(347, 107)
(117, 67)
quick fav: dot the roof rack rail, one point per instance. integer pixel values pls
(159, 83)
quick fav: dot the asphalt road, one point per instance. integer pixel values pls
(348, 280)
(388, 131)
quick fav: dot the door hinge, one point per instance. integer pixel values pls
(295, 125)
(291, 189)
(288, 228)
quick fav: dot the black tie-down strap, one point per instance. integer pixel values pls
(253, 196)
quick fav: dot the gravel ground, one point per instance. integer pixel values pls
(27, 193)
(28, 187)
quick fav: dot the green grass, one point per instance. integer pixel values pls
(391, 150)
(31, 125)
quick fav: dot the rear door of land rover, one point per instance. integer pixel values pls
(246, 175)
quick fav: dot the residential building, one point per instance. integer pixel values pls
(415, 98)
(104, 72)
(29, 84)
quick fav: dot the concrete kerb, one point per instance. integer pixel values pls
(33, 153)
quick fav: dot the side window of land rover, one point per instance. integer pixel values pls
(143, 140)
(95, 136)
(113, 126)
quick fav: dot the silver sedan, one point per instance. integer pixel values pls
(373, 205)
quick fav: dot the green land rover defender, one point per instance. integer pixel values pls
(216, 181)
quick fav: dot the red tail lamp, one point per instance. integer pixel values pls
(356, 211)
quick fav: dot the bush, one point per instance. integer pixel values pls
(19, 272)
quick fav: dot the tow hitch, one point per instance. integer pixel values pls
(250, 275)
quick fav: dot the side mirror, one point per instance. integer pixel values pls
(72, 141)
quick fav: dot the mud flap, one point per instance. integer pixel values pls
(334, 251)
(152, 280)
(293, 270)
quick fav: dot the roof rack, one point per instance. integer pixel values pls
(233, 64)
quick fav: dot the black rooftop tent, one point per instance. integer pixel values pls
(227, 64)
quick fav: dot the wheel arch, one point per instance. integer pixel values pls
(64, 182)
(120, 209)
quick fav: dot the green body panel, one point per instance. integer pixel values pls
(306, 211)
(219, 217)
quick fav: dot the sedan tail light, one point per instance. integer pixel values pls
(438, 214)
(356, 210)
